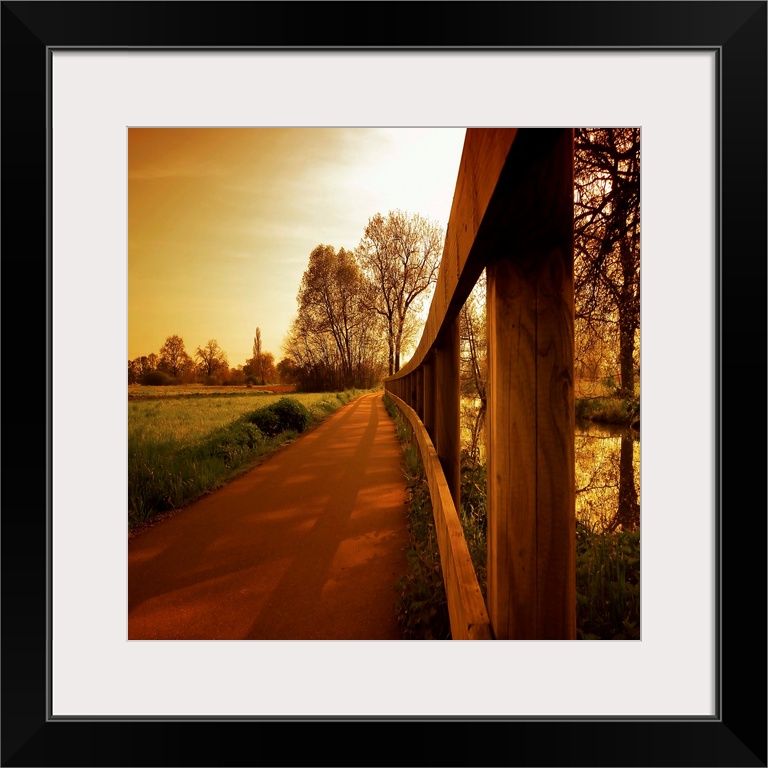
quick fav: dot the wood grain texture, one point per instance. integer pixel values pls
(512, 452)
(466, 607)
(513, 215)
(530, 425)
(483, 158)
(430, 397)
(419, 376)
(448, 409)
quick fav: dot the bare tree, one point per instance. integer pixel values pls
(211, 358)
(473, 369)
(400, 256)
(607, 246)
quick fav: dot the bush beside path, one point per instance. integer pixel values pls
(306, 546)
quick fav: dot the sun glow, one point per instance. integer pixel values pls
(222, 220)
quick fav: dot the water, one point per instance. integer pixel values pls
(607, 460)
(607, 471)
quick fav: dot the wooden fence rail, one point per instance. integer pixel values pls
(512, 215)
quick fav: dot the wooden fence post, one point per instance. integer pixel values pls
(447, 421)
(419, 407)
(429, 396)
(530, 421)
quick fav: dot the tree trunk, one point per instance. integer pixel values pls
(627, 354)
(628, 314)
(628, 510)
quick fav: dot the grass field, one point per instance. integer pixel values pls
(181, 447)
(182, 420)
(143, 392)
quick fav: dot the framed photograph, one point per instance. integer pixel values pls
(692, 76)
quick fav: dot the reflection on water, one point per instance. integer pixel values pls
(607, 477)
(607, 464)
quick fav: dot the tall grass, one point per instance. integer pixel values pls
(607, 585)
(181, 449)
(190, 419)
(607, 564)
(422, 605)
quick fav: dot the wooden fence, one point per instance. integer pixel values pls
(512, 215)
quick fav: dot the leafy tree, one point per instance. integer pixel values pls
(140, 366)
(286, 371)
(334, 341)
(188, 372)
(400, 256)
(173, 357)
(236, 376)
(211, 359)
(257, 367)
(268, 370)
(260, 369)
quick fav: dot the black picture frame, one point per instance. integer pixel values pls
(736, 736)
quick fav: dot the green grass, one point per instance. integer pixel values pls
(184, 420)
(179, 449)
(608, 410)
(149, 392)
(474, 515)
(607, 564)
(422, 605)
(607, 585)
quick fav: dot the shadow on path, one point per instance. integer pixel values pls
(307, 546)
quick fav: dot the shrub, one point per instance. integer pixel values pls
(266, 420)
(157, 379)
(238, 443)
(236, 378)
(287, 414)
(293, 415)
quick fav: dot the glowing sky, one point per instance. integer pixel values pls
(221, 221)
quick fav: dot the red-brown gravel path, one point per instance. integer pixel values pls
(307, 546)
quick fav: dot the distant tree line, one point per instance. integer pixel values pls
(361, 310)
(358, 311)
(208, 365)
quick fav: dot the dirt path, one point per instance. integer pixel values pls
(306, 546)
